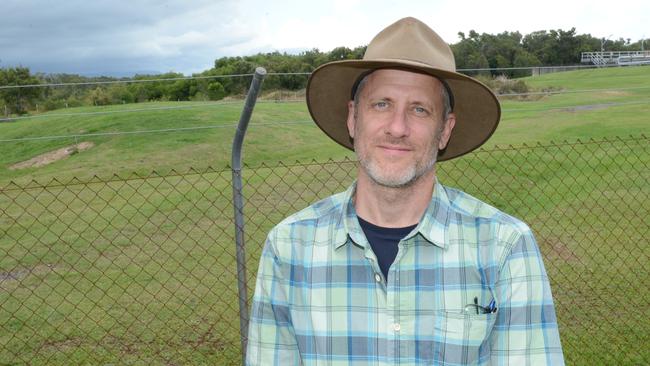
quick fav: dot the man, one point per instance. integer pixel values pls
(400, 269)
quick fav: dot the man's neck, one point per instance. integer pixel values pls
(393, 207)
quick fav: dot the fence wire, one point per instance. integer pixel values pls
(141, 269)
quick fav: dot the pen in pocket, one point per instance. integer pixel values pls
(491, 308)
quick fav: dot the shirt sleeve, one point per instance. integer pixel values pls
(271, 337)
(526, 330)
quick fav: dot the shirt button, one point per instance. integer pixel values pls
(397, 327)
(377, 277)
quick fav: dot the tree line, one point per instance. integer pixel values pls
(473, 51)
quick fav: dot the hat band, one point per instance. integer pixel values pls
(363, 75)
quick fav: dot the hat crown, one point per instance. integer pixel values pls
(410, 39)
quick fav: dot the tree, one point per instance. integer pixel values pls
(468, 52)
(99, 96)
(524, 59)
(216, 91)
(120, 93)
(339, 53)
(181, 90)
(18, 100)
(558, 47)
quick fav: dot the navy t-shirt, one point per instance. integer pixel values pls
(384, 241)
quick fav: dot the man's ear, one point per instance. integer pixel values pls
(351, 119)
(446, 131)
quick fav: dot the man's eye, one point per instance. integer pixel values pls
(420, 110)
(381, 104)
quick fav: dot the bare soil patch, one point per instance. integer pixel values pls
(16, 276)
(557, 249)
(52, 156)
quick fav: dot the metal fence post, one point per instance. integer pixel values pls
(238, 204)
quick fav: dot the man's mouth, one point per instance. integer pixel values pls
(395, 149)
(392, 147)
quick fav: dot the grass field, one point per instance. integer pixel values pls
(133, 270)
(284, 131)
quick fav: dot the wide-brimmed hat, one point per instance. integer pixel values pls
(405, 44)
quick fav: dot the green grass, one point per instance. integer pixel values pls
(618, 106)
(139, 268)
(119, 272)
(161, 151)
(283, 131)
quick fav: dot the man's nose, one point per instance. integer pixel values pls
(398, 123)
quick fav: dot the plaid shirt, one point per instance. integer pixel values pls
(321, 299)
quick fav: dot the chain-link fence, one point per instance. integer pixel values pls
(141, 269)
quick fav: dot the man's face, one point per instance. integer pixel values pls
(397, 126)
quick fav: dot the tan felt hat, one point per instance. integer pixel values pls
(405, 44)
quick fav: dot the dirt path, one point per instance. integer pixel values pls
(52, 156)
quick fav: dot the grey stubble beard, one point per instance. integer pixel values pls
(407, 179)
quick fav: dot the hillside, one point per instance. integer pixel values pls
(594, 103)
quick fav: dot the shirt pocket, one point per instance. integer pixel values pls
(458, 337)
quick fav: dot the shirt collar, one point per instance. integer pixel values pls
(432, 225)
(351, 230)
(435, 220)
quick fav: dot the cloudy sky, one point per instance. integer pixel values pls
(120, 37)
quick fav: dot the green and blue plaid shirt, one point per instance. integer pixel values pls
(321, 299)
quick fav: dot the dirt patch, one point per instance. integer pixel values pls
(13, 275)
(590, 107)
(557, 249)
(19, 274)
(617, 93)
(62, 345)
(52, 156)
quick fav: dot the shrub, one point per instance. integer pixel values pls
(216, 91)
(503, 86)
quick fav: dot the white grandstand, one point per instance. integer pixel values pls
(616, 58)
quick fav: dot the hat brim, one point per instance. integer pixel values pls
(476, 107)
